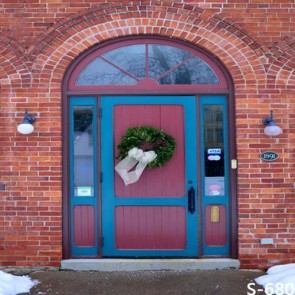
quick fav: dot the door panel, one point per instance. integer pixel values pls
(150, 227)
(84, 226)
(215, 225)
(150, 217)
(156, 182)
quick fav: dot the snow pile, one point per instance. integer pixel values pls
(12, 285)
(280, 279)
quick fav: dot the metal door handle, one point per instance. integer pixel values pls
(191, 200)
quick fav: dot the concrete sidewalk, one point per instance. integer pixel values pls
(200, 282)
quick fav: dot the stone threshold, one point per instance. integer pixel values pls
(149, 264)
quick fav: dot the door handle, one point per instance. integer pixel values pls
(191, 200)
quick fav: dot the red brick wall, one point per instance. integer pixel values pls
(38, 41)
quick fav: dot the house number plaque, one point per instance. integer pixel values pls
(269, 156)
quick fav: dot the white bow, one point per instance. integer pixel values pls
(136, 157)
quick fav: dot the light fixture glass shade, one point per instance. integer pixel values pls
(273, 130)
(25, 128)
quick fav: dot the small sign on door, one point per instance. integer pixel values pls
(214, 154)
(84, 191)
(214, 151)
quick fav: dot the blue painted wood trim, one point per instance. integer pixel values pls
(76, 201)
(151, 201)
(218, 200)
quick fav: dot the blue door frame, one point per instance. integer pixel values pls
(110, 201)
(91, 200)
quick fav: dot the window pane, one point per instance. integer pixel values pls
(99, 72)
(127, 65)
(195, 71)
(130, 58)
(214, 150)
(162, 58)
(201, 72)
(83, 151)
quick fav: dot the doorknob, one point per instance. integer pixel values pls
(191, 200)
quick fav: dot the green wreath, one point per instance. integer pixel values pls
(148, 138)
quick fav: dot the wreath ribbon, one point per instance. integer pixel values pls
(136, 157)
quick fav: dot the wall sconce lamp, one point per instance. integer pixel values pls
(271, 129)
(26, 126)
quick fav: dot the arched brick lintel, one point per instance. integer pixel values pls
(55, 49)
(282, 62)
(13, 69)
(240, 55)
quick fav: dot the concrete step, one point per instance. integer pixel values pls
(148, 264)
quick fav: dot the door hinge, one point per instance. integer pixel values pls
(100, 112)
(100, 177)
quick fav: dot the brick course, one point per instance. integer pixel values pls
(255, 41)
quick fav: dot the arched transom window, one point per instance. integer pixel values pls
(140, 62)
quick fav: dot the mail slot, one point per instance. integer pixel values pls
(215, 215)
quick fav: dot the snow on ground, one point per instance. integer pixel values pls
(280, 279)
(12, 285)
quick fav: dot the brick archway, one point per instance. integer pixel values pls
(236, 50)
